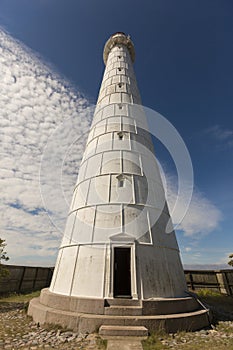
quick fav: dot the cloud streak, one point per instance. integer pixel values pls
(222, 135)
(202, 216)
(35, 101)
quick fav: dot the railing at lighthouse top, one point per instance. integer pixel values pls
(119, 38)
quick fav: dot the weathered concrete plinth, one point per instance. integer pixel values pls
(88, 315)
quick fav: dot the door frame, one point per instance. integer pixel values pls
(123, 275)
(134, 294)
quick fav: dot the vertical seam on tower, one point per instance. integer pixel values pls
(136, 128)
(140, 162)
(133, 189)
(105, 273)
(130, 145)
(122, 219)
(74, 270)
(88, 190)
(121, 161)
(55, 279)
(74, 197)
(96, 145)
(72, 231)
(105, 126)
(149, 227)
(101, 163)
(94, 220)
(109, 190)
(113, 139)
(85, 170)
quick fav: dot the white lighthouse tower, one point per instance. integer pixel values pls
(119, 262)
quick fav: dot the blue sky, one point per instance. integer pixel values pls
(184, 71)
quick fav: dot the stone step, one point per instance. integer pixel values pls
(122, 302)
(166, 306)
(123, 310)
(133, 331)
(171, 323)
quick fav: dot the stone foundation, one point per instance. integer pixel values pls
(88, 315)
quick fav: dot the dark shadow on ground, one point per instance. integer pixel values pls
(10, 306)
(221, 307)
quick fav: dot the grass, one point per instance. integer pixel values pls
(208, 293)
(101, 343)
(19, 298)
(154, 341)
(12, 300)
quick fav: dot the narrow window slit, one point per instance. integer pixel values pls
(121, 180)
(120, 135)
(121, 183)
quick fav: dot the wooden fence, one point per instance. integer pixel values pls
(26, 279)
(23, 279)
(215, 280)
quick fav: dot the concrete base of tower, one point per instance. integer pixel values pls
(88, 315)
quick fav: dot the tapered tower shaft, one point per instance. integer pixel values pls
(119, 261)
(119, 200)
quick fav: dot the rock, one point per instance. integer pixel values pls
(79, 339)
(34, 342)
(71, 338)
(67, 334)
(184, 340)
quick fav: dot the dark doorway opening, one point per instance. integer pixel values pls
(122, 273)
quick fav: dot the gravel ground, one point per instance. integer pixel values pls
(219, 338)
(17, 331)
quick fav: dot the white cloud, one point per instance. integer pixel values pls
(222, 135)
(187, 249)
(34, 102)
(200, 218)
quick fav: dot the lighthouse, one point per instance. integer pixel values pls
(119, 263)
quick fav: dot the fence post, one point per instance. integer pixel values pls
(49, 277)
(222, 282)
(191, 281)
(35, 278)
(226, 283)
(21, 279)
